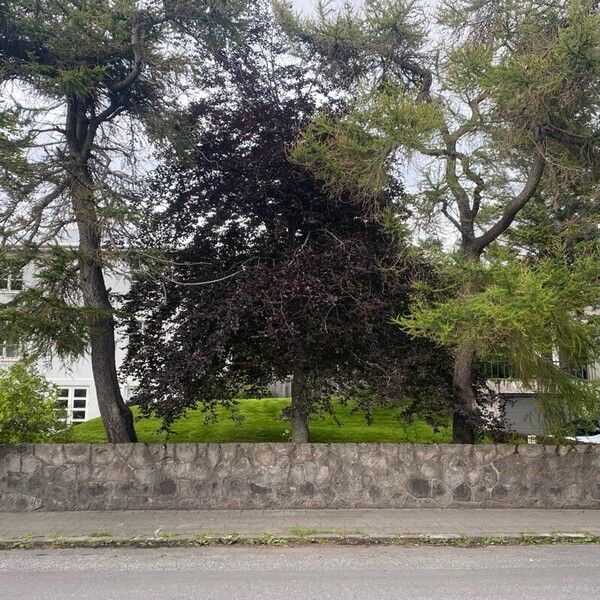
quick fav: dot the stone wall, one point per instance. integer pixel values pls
(182, 476)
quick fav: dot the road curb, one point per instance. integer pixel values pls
(268, 539)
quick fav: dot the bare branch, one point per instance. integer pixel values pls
(138, 56)
(515, 205)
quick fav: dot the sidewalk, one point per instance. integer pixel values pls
(193, 527)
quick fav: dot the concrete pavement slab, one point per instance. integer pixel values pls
(349, 525)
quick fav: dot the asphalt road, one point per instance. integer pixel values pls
(307, 573)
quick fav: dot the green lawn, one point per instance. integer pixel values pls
(262, 423)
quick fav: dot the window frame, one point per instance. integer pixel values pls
(128, 391)
(5, 358)
(9, 277)
(71, 399)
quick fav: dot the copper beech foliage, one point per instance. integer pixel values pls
(261, 274)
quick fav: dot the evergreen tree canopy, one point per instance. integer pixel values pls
(503, 102)
(100, 78)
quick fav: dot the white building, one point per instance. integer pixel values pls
(522, 414)
(74, 380)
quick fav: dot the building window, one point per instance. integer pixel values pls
(11, 281)
(581, 372)
(73, 401)
(129, 392)
(10, 351)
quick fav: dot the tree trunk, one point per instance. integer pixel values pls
(463, 428)
(116, 415)
(299, 410)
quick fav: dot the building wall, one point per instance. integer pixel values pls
(75, 375)
(281, 389)
(255, 476)
(523, 416)
(522, 412)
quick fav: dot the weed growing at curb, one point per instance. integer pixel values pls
(268, 539)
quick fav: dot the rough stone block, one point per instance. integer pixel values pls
(78, 454)
(137, 476)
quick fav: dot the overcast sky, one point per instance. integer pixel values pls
(308, 5)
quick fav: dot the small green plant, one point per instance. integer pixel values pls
(267, 539)
(301, 532)
(27, 405)
(98, 534)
